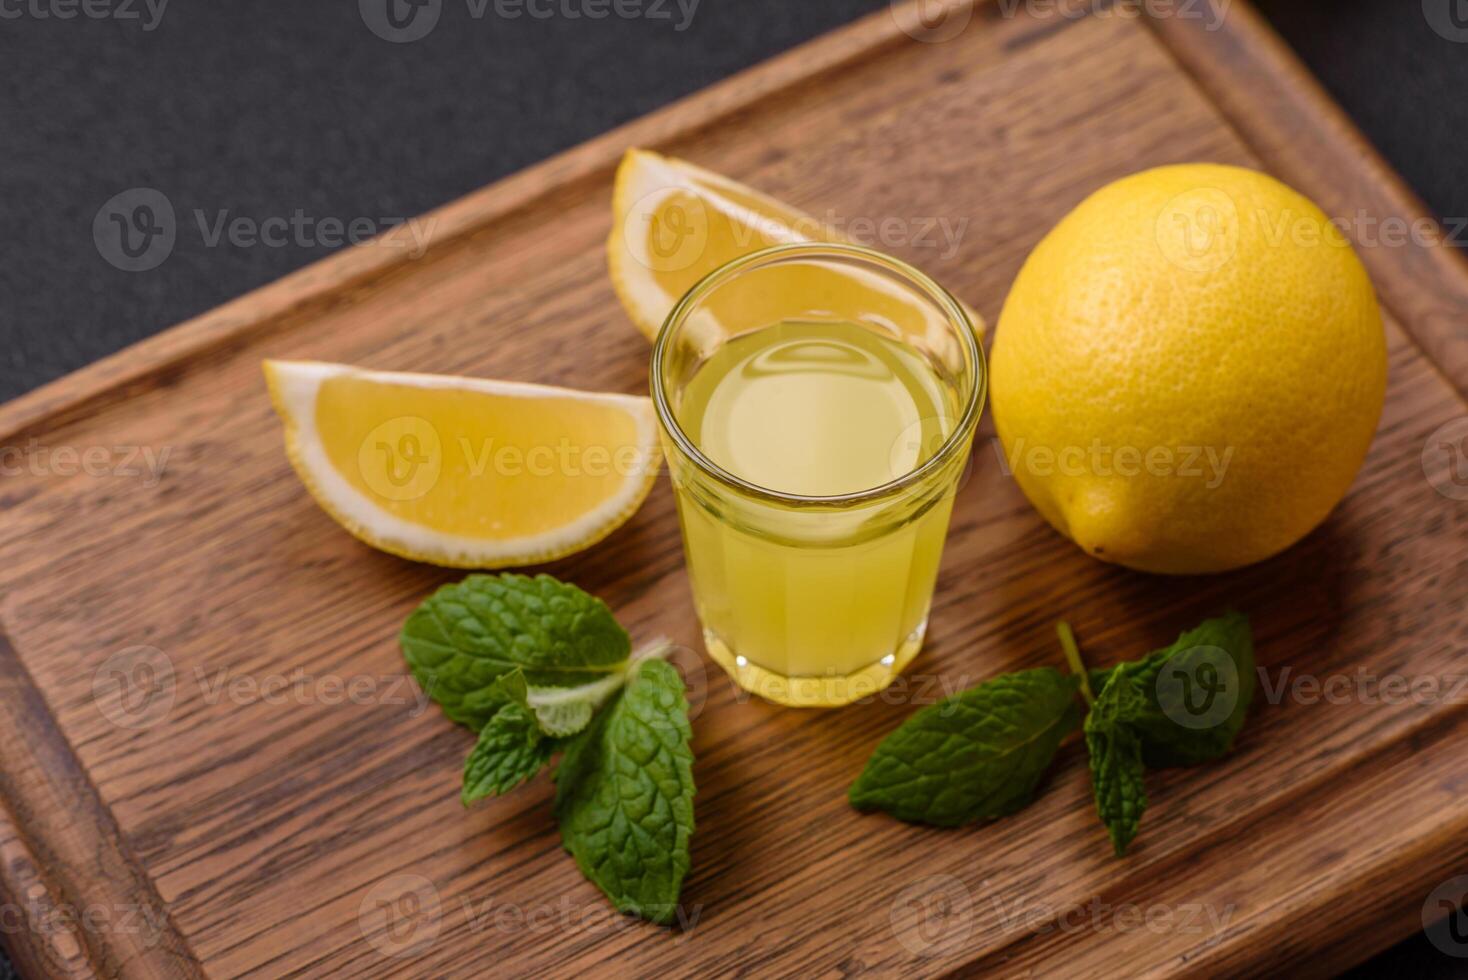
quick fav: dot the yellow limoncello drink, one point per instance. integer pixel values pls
(806, 599)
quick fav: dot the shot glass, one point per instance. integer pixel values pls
(818, 404)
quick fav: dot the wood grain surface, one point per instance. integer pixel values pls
(213, 749)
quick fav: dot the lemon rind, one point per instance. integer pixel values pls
(643, 173)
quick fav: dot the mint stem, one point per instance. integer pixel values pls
(1073, 657)
(658, 649)
(599, 691)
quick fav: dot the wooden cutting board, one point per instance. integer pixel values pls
(214, 803)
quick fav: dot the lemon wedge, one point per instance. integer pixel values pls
(464, 472)
(673, 223)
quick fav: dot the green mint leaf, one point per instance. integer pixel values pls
(466, 636)
(1117, 781)
(624, 794)
(510, 750)
(974, 756)
(565, 718)
(1098, 676)
(1117, 769)
(559, 711)
(507, 687)
(1195, 693)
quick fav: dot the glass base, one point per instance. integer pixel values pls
(818, 691)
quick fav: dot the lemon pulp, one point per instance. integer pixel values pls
(471, 464)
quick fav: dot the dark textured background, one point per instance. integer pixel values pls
(270, 106)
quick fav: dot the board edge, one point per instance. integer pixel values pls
(66, 858)
(1293, 88)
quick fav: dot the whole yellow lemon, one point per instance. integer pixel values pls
(1189, 369)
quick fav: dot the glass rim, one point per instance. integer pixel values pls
(924, 283)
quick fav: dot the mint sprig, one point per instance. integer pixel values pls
(624, 795)
(1116, 761)
(537, 666)
(510, 750)
(974, 756)
(467, 636)
(563, 711)
(980, 754)
(1195, 693)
